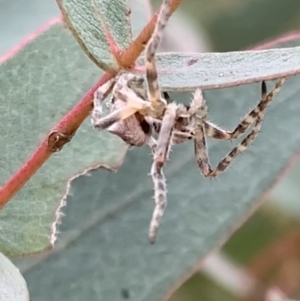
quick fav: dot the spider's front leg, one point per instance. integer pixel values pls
(256, 116)
(160, 198)
(132, 105)
(99, 97)
(158, 103)
(160, 156)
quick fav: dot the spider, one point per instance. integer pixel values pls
(139, 111)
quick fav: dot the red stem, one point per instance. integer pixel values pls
(69, 124)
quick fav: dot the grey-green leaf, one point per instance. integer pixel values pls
(94, 23)
(187, 71)
(103, 249)
(38, 87)
(140, 15)
(12, 284)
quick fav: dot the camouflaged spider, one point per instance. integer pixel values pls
(139, 111)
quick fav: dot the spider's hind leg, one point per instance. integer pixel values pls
(256, 116)
(218, 133)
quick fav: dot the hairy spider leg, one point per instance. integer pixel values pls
(165, 134)
(199, 106)
(160, 197)
(99, 96)
(160, 156)
(256, 115)
(196, 113)
(187, 131)
(133, 104)
(218, 133)
(153, 91)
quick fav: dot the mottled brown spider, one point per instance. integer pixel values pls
(139, 111)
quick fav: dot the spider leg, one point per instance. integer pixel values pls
(160, 155)
(165, 134)
(181, 137)
(152, 144)
(195, 130)
(189, 131)
(218, 133)
(160, 197)
(99, 97)
(242, 146)
(186, 132)
(200, 149)
(198, 103)
(113, 117)
(178, 136)
(153, 91)
(133, 104)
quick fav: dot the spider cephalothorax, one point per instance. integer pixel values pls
(140, 113)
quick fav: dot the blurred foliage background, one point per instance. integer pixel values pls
(267, 247)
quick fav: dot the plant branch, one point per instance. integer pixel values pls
(137, 46)
(67, 126)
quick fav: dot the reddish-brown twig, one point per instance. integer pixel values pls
(66, 128)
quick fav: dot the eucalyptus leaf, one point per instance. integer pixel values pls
(94, 22)
(27, 15)
(38, 87)
(103, 250)
(12, 284)
(187, 71)
(140, 15)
